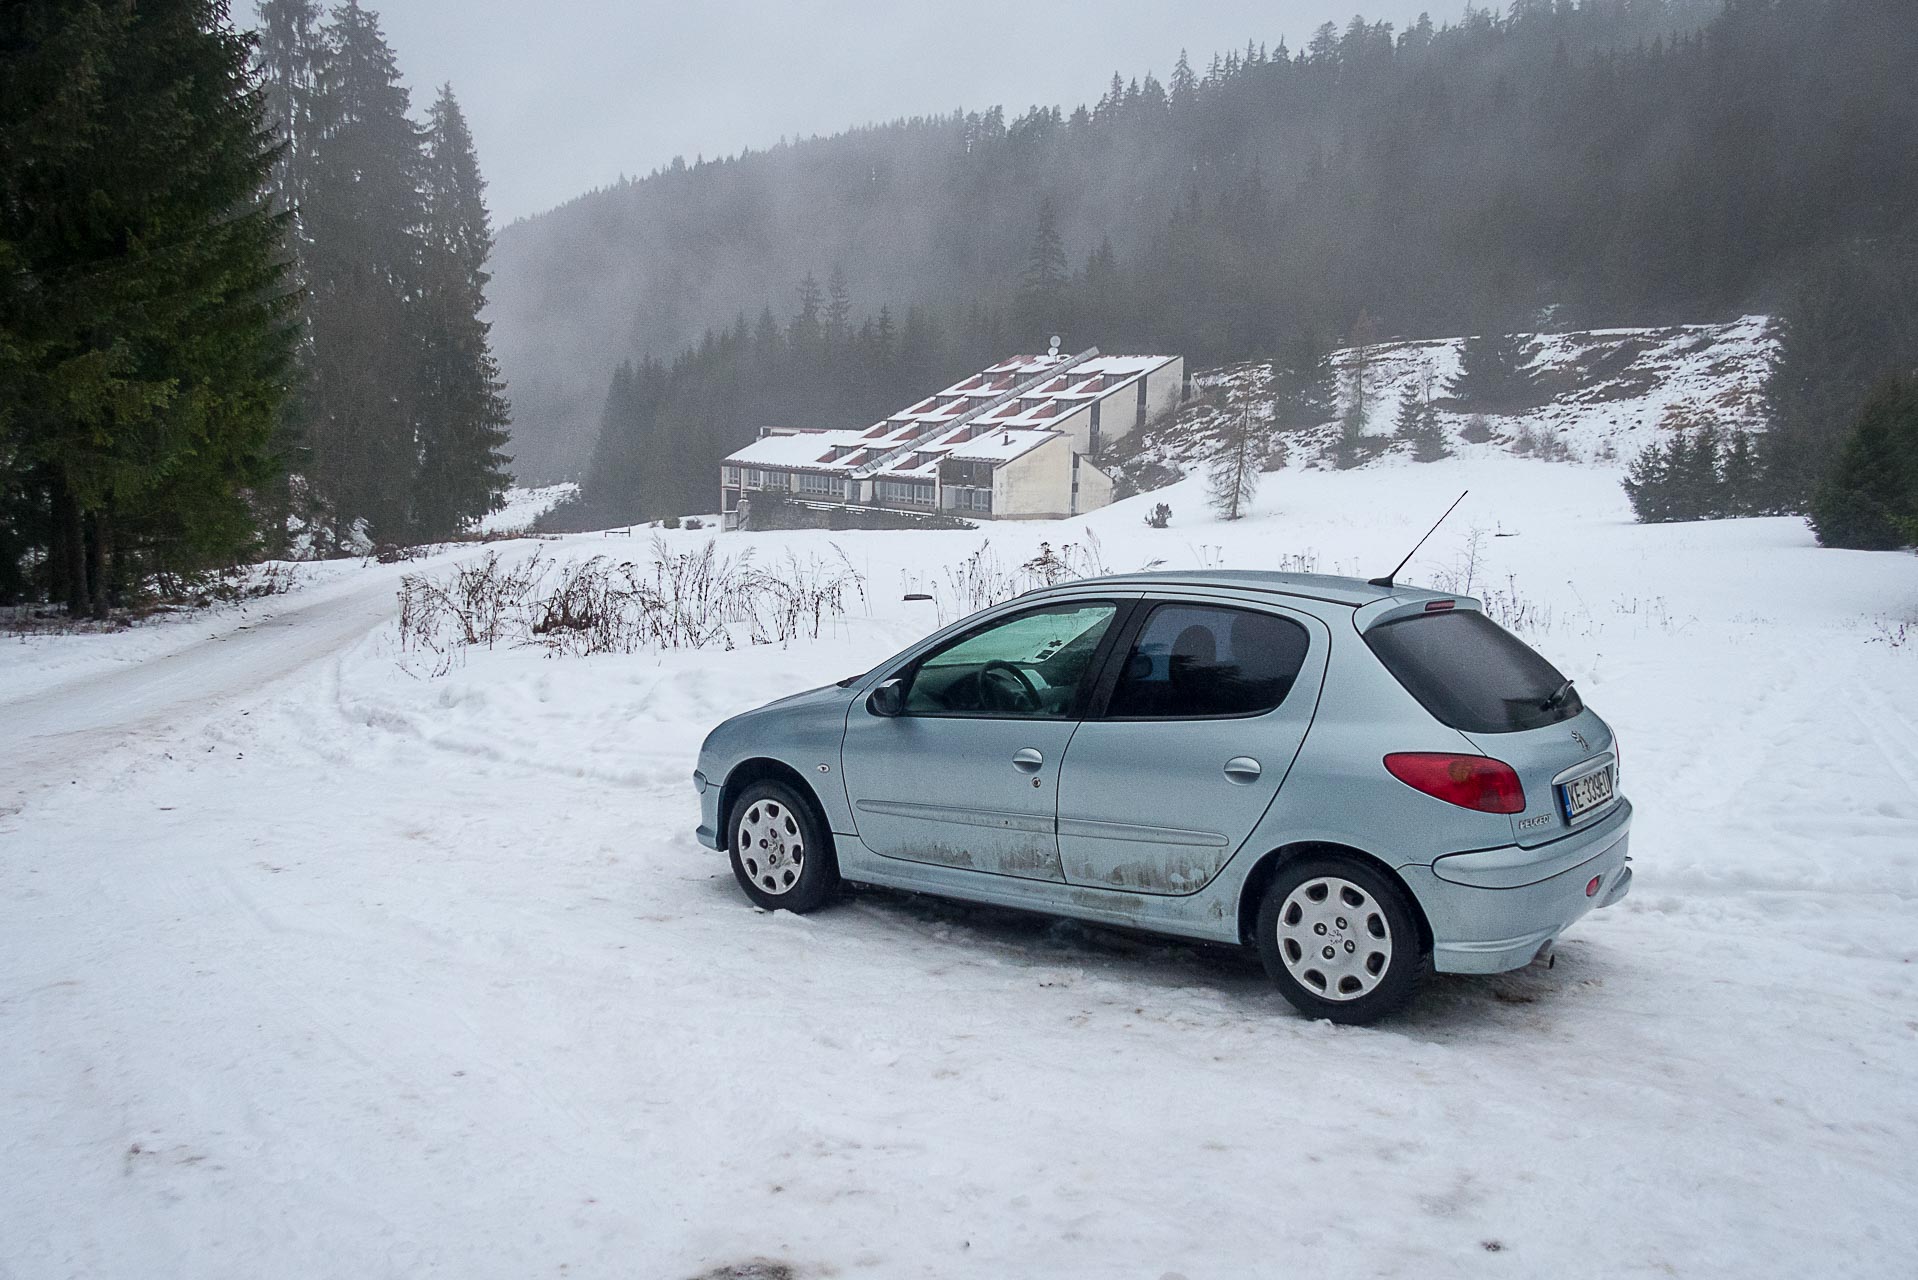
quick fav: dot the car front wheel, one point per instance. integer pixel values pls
(1339, 939)
(781, 853)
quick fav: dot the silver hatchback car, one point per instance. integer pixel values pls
(1358, 779)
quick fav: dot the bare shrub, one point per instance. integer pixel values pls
(1070, 562)
(1461, 576)
(675, 600)
(982, 579)
(1545, 445)
(1514, 611)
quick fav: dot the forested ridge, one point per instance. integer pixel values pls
(1551, 164)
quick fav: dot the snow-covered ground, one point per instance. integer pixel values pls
(523, 506)
(318, 965)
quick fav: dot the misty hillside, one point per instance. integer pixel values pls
(1621, 162)
(1603, 395)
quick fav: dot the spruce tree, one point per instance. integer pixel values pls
(1697, 476)
(144, 310)
(1495, 374)
(1304, 385)
(807, 329)
(462, 415)
(362, 219)
(287, 58)
(1869, 501)
(1185, 84)
(1739, 479)
(1042, 287)
(1351, 446)
(1417, 423)
(838, 307)
(1648, 483)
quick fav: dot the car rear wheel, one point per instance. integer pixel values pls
(781, 853)
(1339, 939)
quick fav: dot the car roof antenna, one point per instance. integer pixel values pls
(1386, 581)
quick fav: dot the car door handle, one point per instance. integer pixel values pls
(1242, 770)
(1028, 761)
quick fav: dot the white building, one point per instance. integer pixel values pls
(1020, 440)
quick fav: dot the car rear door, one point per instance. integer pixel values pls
(1189, 738)
(968, 777)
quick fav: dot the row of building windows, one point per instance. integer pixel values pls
(811, 484)
(964, 499)
(907, 491)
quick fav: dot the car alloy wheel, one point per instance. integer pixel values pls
(1334, 938)
(1340, 937)
(772, 846)
(782, 852)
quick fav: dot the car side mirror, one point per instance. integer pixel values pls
(889, 698)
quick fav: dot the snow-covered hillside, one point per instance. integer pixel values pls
(1610, 389)
(313, 963)
(524, 506)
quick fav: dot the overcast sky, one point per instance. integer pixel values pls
(566, 95)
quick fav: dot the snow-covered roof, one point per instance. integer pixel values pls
(801, 449)
(1001, 446)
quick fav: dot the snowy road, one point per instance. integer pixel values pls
(345, 971)
(74, 723)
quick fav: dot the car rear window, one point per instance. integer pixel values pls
(1471, 673)
(1196, 661)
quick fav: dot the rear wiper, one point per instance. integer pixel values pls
(1558, 697)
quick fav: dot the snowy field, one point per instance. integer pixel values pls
(315, 964)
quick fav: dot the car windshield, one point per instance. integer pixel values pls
(1473, 674)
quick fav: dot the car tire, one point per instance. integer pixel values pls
(1339, 939)
(781, 852)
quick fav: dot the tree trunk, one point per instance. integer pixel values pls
(56, 568)
(99, 558)
(71, 574)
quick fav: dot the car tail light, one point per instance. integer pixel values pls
(1470, 782)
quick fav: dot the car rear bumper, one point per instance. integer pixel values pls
(1497, 909)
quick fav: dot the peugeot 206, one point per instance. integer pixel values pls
(1361, 780)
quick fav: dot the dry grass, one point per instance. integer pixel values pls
(672, 600)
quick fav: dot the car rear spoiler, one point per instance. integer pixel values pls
(1392, 608)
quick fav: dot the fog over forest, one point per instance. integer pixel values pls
(1609, 162)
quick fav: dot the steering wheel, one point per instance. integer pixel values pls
(1007, 687)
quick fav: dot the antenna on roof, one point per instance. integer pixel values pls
(1386, 581)
(1055, 346)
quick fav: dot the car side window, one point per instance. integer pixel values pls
(1026, 667)
(1194, 660)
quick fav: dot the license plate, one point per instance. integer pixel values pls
(1582, 795)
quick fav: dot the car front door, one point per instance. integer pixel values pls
(1187, 743)
(966, 774)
